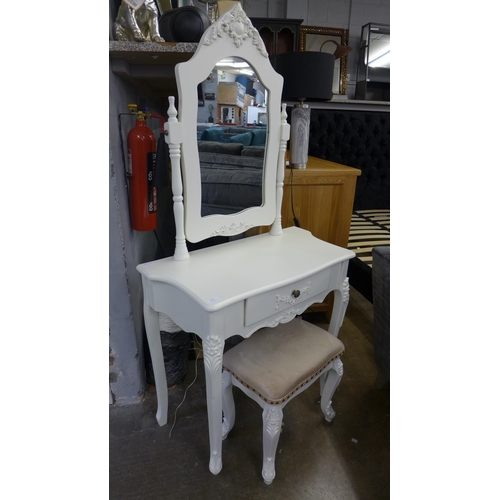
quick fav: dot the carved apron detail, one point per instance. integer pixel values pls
(290, 299)
(287, 315)
(232, 229)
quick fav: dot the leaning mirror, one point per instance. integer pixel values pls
(319, 39)
(231, 40)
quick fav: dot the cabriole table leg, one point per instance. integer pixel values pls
(213, 348)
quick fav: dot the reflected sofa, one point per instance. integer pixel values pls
(231, 163)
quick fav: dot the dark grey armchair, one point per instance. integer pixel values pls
(381, 284)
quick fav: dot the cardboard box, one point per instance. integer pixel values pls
(231, 93)
(229, 114)
(248, 100)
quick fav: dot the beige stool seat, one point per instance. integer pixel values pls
(272, 367)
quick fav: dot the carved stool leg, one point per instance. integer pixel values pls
(227, 404)
(329, 386)
(322, 381)
(272, 416)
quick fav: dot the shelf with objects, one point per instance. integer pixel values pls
(374, 69)
(150, 39)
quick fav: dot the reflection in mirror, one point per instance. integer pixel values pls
(231, 138)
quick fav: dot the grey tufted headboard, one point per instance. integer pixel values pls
(359, 139)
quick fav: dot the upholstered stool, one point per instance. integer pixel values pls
(272, 367)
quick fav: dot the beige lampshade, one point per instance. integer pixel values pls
(340, 51)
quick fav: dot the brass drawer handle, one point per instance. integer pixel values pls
(296, 294)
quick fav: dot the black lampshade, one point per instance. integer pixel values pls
(307, 75)
(183, 24)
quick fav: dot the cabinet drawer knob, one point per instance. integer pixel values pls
(295, 293)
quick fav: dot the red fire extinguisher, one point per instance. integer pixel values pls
(141, 144)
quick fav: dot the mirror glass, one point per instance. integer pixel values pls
(231, 137)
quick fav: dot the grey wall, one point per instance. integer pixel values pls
(128, 248)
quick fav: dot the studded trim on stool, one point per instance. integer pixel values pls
(291, 393)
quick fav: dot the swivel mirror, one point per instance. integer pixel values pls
(232, 36)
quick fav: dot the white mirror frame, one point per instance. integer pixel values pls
(233, 35)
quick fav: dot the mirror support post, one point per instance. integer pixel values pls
(276, 228)
(173, 137)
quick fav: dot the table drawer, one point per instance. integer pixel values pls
(277, 300)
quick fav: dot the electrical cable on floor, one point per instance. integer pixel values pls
(185, 392)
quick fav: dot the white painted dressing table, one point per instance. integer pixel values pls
(238, 287)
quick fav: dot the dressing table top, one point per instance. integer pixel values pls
(219, 276)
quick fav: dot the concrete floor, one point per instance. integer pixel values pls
(345, 459)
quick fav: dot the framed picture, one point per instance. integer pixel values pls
(318, 39)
